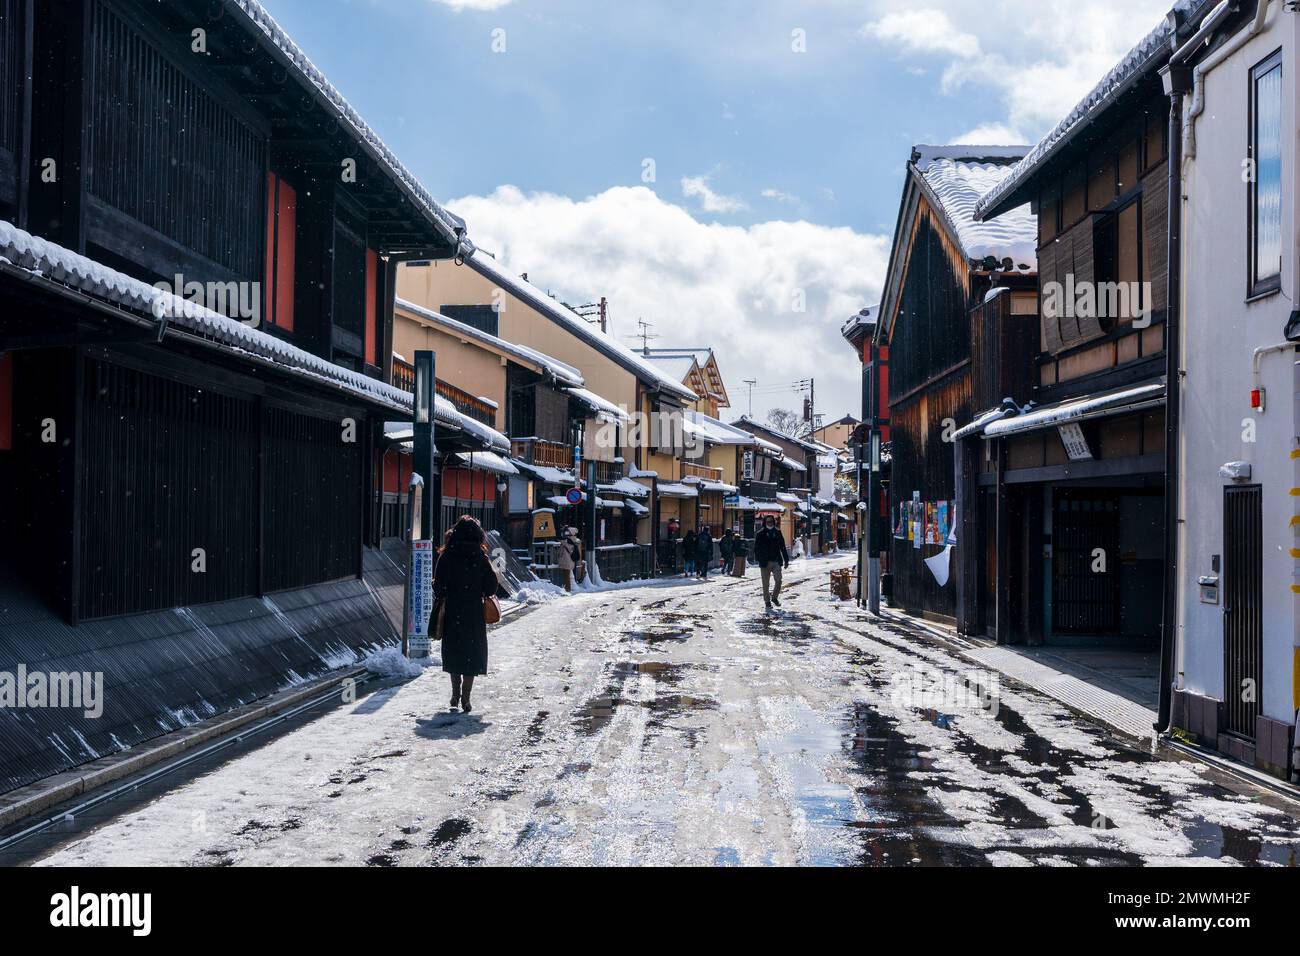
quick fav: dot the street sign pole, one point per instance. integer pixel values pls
(592, 535)
(425, 505)
(873, 520)
(425, 464)
(413, 495)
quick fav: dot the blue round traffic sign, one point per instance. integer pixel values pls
(573, 496)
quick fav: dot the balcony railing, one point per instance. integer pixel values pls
(608, 472)
(403, 375)
(465, 403)
(539, 451)
(692, 470)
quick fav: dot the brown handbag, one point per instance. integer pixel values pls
(491, 610)
(440, 618)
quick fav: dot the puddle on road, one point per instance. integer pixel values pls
(597, 713)
(913, 798)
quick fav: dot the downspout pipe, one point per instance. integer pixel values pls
(1177, 81)
(1196, 105)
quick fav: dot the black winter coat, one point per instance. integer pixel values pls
(769, 545)
(704, 546)
(463, 578)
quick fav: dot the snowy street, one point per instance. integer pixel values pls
(675, 723)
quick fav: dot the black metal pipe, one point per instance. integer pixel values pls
(1177, 82)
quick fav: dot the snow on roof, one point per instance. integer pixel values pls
(959, 184)
(603, 407)
(553, 476)
(636, 507)
(744, 422)
(864, 317)
(39, 257)
(563, 373)
(1079, 409)
(626, 486)
(671, 489)
(713, 431)
(678, 366)
(488, 267)
(1150, 52)
(705, 484)
(487, 461)
(450, 224)
(924, 155)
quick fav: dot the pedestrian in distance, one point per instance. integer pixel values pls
(569, 553)
(739, 556)
(771, 554)
(688, 553)
(703, 552)
(726, 549)
(462, 581)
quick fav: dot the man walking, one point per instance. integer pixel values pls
(771, 554)
(726, 546)
(703, 552)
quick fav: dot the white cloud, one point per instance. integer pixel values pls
(1038, 57)
(923, 31)
(991, 134)
(780, 195)
(459, 5)
(729, 287)
(697, 187)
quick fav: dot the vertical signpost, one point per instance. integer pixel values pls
(592, 539)
(425, 464)
(425, 502)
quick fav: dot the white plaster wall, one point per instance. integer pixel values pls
(1221, 330)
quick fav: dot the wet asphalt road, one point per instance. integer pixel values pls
(679, 724)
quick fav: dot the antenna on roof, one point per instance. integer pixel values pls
(644, 335)
(751, 382)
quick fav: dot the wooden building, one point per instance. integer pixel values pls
(1064, 453)
(942, 265)
(543, 406)
(644, 445)
(196, 266)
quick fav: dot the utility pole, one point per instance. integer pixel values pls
(751, 382)
(599, 311)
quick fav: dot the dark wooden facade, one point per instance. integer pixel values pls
(1102, 207)
(929, 388)
(130, 140)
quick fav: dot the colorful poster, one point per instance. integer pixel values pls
(943, 521)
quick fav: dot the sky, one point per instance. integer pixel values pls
(728, 171)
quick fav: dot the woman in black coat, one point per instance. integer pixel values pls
(463, 578)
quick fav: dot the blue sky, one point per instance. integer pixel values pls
(777, 173)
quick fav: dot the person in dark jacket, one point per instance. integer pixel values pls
(703, 552)
(463, 579)
(739, 552)
(726, 546)
(688, 553)
(771, 554)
